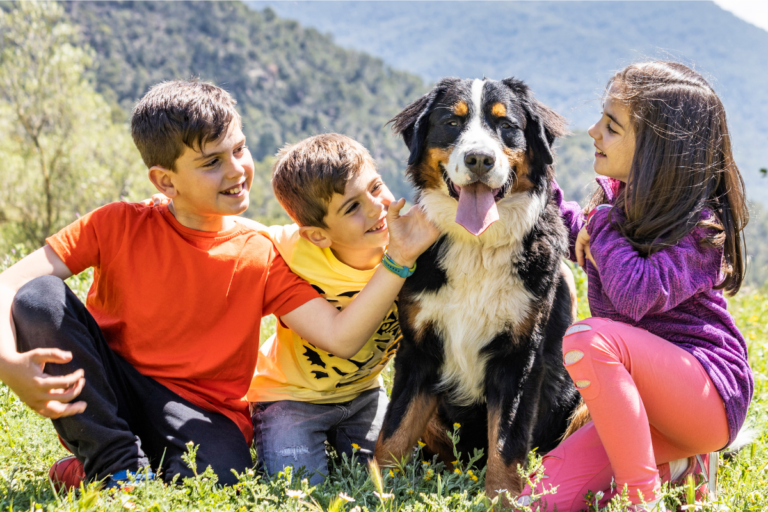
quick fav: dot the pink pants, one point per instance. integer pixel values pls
(651, 402)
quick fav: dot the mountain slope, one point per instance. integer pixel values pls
(289, 82)
(565, 50)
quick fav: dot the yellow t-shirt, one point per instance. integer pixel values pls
(291, 368)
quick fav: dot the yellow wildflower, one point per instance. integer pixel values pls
(355, 446)
(425, 462)
(422, 445)
(474, 478)
(457, 471)
(457, 425)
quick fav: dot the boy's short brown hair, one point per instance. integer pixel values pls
(180, 113)
(308, 173)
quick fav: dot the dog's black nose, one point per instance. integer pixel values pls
(479, 162)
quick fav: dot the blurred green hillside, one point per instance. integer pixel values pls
(565, 50)
(290, 82)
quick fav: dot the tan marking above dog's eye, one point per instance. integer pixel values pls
(460, 109)
(499, 110)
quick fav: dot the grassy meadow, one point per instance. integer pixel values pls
(28, 447)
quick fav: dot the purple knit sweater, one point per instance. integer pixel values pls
(669, 294)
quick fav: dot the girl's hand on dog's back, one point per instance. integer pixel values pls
(410, 234)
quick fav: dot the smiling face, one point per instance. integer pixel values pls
(476, 138)
(483, 144)
(614, 140)
(209, 183)
(356, 220)
(477, 142)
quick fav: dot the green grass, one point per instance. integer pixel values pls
(28, 447)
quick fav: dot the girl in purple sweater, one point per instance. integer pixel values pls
(661, 366)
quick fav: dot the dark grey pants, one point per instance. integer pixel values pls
(130, 421)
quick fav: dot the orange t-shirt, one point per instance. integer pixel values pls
(180, 305)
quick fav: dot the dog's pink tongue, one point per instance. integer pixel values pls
(477, 208)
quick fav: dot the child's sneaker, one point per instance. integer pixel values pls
(125, 477)
(66, 473)
(704, 471)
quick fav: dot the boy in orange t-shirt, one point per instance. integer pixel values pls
(165, 347)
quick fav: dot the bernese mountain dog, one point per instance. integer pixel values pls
(483, 316)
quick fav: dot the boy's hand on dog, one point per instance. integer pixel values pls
(410, 234)
(45, 394)
(582, 248)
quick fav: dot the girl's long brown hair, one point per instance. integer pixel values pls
(682, 164)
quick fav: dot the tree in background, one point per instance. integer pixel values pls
(62, 152)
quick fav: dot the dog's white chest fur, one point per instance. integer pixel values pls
(483, 296)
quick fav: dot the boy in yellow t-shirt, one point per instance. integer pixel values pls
(302, 395)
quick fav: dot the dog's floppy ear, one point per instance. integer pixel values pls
(543, 125)
(413, 122)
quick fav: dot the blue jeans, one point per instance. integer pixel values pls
(289, 433)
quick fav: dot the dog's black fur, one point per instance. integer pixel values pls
(523, 396)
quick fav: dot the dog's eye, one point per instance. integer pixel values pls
(506, 126)
(453, 123)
